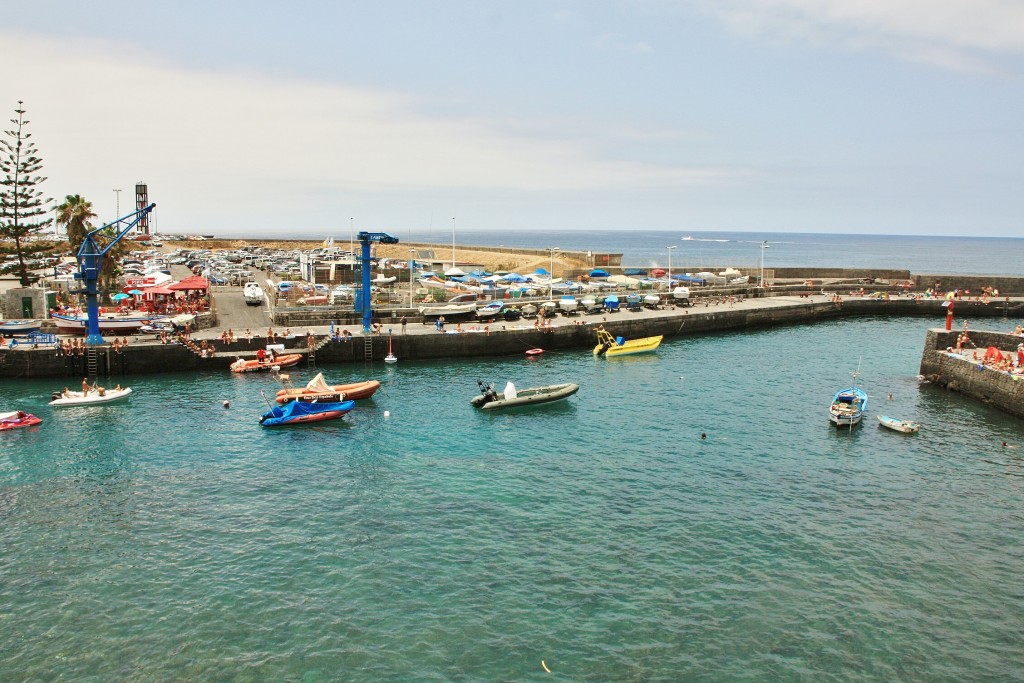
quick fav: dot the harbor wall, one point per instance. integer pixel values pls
(965, 375)
(1007, 285)
(576, 332)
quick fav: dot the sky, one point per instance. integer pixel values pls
(822, 116)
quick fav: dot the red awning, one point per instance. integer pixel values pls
(190, 283)
(159, 290)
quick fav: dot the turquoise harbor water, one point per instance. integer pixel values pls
(172, 539)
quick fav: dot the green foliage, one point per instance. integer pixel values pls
(22, 206)
(76, 215)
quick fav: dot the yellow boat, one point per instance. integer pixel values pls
(610, 347)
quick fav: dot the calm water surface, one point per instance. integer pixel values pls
(169, 538)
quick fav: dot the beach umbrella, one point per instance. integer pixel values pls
(135, 291)
(120, 296)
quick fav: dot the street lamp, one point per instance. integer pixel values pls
(412, 262)
(453, 241)
(117, 195)
(351, 238)
(670, 266)
(764, 245)
(551, 273)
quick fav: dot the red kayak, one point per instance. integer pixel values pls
(18, 418)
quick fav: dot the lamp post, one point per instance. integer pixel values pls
(764, 245)
(351, 237)
(117, 195)
(412, 262)
(670, 266)
(551, 273)
(453, 241)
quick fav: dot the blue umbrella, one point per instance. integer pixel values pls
(134, 291)
(120, 296)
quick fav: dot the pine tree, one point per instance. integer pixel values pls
(21, 204)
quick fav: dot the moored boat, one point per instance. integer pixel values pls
(253, 293)
(490, 311)
(898, 425)
(612, 347)
(301, 412)
(489, 399)
(317, 389)
(447, 309)
(848, 405)
(256, 365)
(16, 419)
(119, 324)
(91, 397)
(23, 326)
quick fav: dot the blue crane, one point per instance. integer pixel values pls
(364, 302)
(90, 259)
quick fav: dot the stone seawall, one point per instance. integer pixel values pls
(1006, 284)
(576, 332)
(963, 374)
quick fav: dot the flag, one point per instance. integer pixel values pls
(329, 242)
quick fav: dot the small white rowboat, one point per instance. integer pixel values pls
(897, 425)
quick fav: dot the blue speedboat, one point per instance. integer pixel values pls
(848, 405)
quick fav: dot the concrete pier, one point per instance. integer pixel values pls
(964, 371)
(421, 342)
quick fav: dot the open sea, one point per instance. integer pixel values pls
(601, 538)
(648, 248)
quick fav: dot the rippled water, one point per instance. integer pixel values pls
(172, 539)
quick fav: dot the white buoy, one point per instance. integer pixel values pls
(227, 404)
(387, 413)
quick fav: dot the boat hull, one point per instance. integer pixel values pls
(447, 309)
(11, 327)
(629, 347)
(296, 413)
(108, 323)
(338, 392)
(253, 294)
(527, 397)
(285, 361)
(848, 406)
(17, 420)
(77, 398)
(897, 425)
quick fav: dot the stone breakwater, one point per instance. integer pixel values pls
(422, 342)
(966, 372)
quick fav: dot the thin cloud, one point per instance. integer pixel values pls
(953, 34)
(102, 111)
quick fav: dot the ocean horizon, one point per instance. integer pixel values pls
(693, 251)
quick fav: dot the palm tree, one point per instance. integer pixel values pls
(75, 215)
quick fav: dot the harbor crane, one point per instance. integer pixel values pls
(90, 260)
(364, 302)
